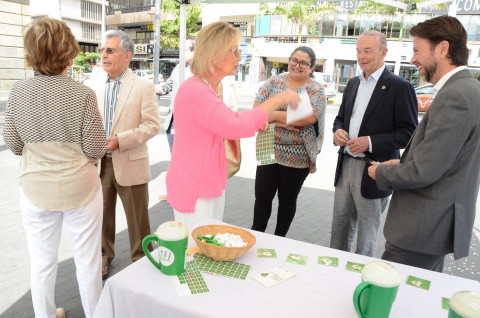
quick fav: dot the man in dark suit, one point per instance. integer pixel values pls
(435, 183)
(377, 116)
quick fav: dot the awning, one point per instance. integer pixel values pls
(142, 59)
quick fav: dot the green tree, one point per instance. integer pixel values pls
(304, 13)
(85, 60)
(170, 29)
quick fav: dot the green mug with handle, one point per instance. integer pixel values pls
(464, 304)
(374, 296)
(172, 240)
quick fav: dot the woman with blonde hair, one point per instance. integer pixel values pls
(197, 174)
(53, 122)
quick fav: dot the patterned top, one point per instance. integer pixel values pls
(292, 148)
(55, 124)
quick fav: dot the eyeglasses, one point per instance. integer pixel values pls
(303, 64)
(108, 50)
(237, 51)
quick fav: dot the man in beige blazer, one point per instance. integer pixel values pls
(131, 117)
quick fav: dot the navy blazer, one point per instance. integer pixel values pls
(390, 120)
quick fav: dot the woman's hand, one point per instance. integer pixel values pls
(264, 126)
(286, 97)
(288, 127)
(289, 96)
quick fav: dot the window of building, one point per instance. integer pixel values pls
(341, 28)
(328, 24)
(471, 23)
(144, 37)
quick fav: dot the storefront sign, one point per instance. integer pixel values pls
(144, 48)
(239, 25)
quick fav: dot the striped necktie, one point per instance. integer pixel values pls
(113, 88)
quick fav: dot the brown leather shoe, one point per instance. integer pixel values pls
(104, 271)
(60, 313)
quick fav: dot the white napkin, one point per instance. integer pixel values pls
(304, 108)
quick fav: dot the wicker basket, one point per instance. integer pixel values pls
(222, 253)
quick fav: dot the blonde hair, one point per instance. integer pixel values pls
(49, 46)
(212, 42)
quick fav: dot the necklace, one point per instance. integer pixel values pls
(217, 91)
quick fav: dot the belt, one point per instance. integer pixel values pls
(366, 159)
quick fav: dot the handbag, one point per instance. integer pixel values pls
(232, 147)
(233, 153)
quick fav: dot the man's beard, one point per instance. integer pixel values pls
(430, 69)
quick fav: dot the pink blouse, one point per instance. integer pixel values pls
(198, 168)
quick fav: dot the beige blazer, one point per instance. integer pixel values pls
(136, 120)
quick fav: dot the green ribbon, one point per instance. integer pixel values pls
(209, 240)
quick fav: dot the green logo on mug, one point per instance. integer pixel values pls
(172, 240)
(374, 296)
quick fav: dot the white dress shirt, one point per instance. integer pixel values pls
(364, 93)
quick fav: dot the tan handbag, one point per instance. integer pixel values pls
(233, 154)
(232, 147)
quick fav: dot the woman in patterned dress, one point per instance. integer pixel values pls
(296, 144)
(53, 122)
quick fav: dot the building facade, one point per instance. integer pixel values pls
(14, 17)
(83, 17)
(270, 39)
(136, 18)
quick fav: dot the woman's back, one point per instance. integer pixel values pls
(54, 123)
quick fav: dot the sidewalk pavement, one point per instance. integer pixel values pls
(312, 222)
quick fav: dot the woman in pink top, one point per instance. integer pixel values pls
(197, 174)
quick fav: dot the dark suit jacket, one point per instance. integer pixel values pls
(435, 186)
(390, 119)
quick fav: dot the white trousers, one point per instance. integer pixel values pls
(204, 209)
(44, 230)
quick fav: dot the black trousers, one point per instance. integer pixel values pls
(288, 181)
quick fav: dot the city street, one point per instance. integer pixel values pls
(312, 222)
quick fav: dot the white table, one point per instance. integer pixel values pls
(141, 290)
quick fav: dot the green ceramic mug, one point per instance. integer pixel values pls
(464, 304)
(374, 296)
(172, 240)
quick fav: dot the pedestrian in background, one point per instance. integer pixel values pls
(296, 144)
(131, 117)
(53, 122)
(172, 84)
(376, 119)
(435, 183)
(197, 174)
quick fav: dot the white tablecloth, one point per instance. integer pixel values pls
(141, 290)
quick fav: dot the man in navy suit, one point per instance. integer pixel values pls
(377, 117)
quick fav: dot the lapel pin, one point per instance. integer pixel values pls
(383, 87)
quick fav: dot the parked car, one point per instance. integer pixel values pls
(424, 97)
(327, 82)
(148, 74)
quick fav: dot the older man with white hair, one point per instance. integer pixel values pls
(131, 117)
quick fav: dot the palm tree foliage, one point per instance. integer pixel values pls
(170, 28)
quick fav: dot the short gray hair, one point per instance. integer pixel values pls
(126, 44)
(381, 37)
